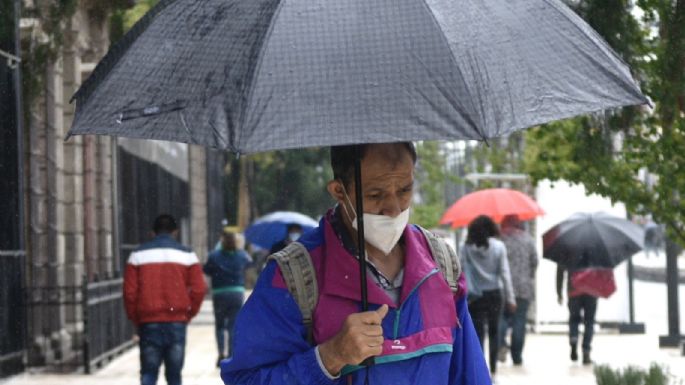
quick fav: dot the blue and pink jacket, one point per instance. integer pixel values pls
(429, 336)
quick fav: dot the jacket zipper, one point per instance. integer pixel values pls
(396, 325)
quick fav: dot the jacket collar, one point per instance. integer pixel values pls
(341, 268)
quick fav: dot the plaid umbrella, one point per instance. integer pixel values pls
(259, 75)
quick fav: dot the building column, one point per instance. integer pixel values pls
(104, 206)
(198, 199)
(73, 164)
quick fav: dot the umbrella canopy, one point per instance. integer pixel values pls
(592, 240)
(258, 75)
(272, 228)
(495, 203)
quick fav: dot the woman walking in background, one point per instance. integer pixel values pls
(226, 267)
(485, 262)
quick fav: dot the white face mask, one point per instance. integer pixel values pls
(381, 231)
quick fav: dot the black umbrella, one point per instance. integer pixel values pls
(260, 75)
(592, 240)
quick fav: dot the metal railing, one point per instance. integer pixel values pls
(73, 327)
(108, 330)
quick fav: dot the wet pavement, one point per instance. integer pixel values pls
(546, 360)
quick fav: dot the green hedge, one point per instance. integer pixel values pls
(633, 375)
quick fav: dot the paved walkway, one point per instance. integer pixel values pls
(546, 359)
(546, 362)
(198, 370)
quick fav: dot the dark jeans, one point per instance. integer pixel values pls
(162, 342)
(517, 322)
(226, 307)
(587, 305)
(486, 311)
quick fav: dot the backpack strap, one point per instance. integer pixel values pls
(300, 278)
(446, 258)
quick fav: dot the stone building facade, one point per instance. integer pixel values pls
(90, 199)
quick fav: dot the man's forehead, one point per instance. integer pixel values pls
(388, 156)
(380, 171)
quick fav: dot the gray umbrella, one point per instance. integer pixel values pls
(257, 75)
(592, 240)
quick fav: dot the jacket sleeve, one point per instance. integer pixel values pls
(197, 288)
(270, 347)
(505, 275)
(131, 292)
(468, 363)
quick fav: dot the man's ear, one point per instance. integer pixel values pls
(335, 189)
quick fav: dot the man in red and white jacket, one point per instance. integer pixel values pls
(163, 290)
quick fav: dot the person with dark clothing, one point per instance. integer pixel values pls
(582, 308)
(294, 233)
(523, 262)
(226, 267)
(485, 258)
(163, 291)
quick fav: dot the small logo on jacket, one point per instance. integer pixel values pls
(397, 345)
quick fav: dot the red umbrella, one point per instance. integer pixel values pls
(495, 203)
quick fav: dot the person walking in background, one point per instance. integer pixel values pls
(163, 291)
(294, 233)
(581, 307)
(523, 261)
(226, 267)
(485, 258)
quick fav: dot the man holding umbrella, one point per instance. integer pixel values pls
(418, 329)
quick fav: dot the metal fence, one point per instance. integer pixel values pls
(76, 327)
(108, 330)
(11, 312)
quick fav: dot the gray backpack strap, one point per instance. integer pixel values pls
(300, 277)
(446, 258)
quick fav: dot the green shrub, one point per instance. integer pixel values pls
(633, 375)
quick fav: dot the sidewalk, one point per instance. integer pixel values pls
(546, 362)
(198, 369)
(546, 359)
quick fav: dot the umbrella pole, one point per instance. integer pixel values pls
(361, 249)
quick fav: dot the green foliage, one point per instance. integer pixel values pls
(632, 375)
(43, 46)
(500, 155)
(37, 53)
(292, 180)
(123, 19)
(635, 155)
(430, 184)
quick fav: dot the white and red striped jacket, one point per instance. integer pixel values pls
(163, 282)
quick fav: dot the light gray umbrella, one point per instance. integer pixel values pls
(592, 240)
(257, 75)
